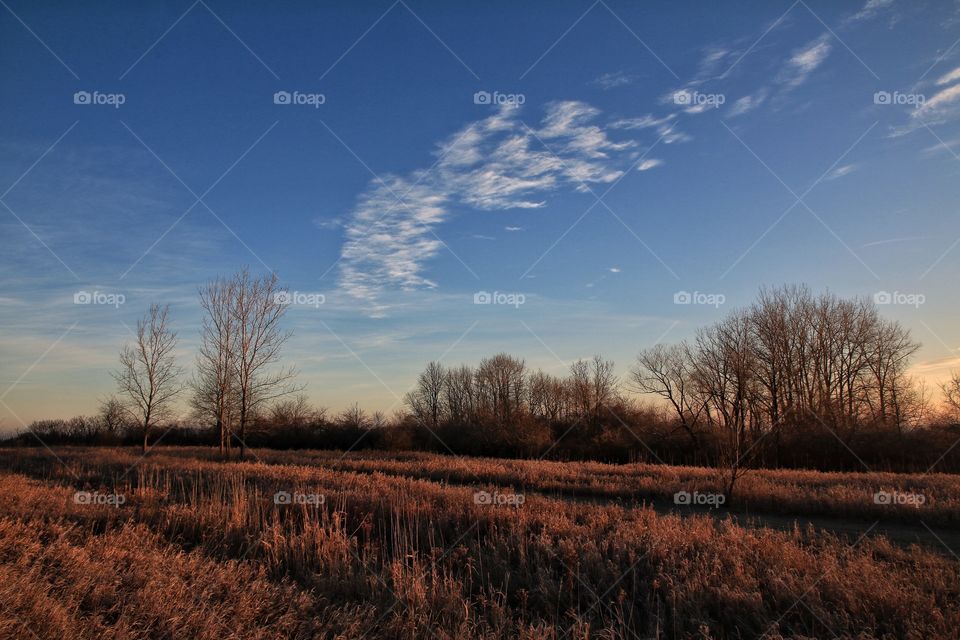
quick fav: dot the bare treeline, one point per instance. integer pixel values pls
(797, 379)
(789, 359)
(783, 382)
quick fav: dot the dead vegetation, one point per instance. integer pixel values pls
(200, 549)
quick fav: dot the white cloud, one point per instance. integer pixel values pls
(496, 163)
(945, 146)
(513, 228)
(804, 61)
(841, 171)
(940, 105)
(943, 106)
(650, 163)
(616, 79)
(747, 103)
(942, 99)
(614, 269)
(328, 223)
(869, 10)
(665, 127)
(949, 77)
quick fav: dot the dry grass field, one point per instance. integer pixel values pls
(101, 543)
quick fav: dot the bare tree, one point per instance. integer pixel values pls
(113, 416)
(666, 371)
(951, 393)
(354, 417)
(295, 412)
(548, 396)
(426, 401)
(604, 384)
(458, 394)
(148, 377)
(501, 383)
(214, 386)
(258, 306)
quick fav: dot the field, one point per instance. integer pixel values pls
(102, 543)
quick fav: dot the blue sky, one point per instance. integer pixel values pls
(587, 162)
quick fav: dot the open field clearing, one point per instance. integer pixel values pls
(933, 498)
(179, 545)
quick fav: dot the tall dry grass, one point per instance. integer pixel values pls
(794, 492)
(200, 550)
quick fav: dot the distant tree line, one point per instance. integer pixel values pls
(794, 380)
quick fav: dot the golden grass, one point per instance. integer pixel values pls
(794, 492)
(200, 550)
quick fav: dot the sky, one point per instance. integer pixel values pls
(436, 180)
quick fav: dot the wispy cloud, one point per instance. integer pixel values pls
(886, 241)
(946, 146)
(747, 103)
(497, 163)
(665, 127)
(949, 77)
(940, 104)
(842, 170)
(613, 80)
(941, 107)
(649, 163)
(328, 223)
(804, 61)
(870, 10)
